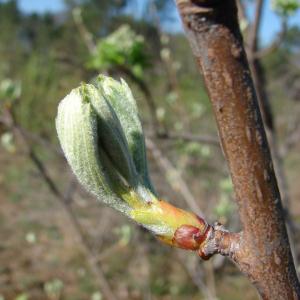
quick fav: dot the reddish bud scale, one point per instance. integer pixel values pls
(190, 237)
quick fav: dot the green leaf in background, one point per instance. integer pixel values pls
(285, 7)
(96, 296)
(7, 142)
(10, 91)
(123, 47)
(226, 185)
(224, 207)
(23, 296)
(124, 233)
(54, 288)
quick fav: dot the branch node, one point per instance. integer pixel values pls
(220, 240)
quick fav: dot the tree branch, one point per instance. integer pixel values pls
(241, 10)
(86, 36)
(259, 54)
(263, 251)
(188, 137)
(253, 38)
(178, 184)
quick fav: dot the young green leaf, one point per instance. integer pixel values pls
(77, 129)
(102, 137)
(121, 99)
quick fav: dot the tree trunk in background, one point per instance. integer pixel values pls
(260, 84)
(264, 253)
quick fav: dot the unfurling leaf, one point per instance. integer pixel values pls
(122, 101)
(101, 135)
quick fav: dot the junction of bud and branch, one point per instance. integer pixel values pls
(187, 231)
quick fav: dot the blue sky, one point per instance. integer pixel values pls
(41, 6)
(270, 25)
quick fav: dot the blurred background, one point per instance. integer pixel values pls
(56, 241)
